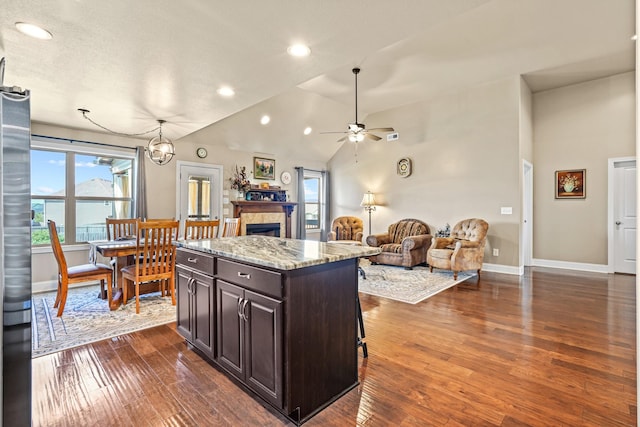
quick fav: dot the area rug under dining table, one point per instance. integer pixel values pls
(409, 286)
(87, 319)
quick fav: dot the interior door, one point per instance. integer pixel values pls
(624, 216)
(200, 191)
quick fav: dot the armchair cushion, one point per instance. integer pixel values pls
(405, 244)
(346, 228)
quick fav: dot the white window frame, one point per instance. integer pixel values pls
(322, 204)
(65, 146)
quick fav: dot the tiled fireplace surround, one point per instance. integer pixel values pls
(264, 212)
(262, 218)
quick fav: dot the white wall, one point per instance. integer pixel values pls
(579, 127)
(465, 153)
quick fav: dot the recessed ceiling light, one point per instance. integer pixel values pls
(226, 91)
(33, 31)
(265, 119)
(298, 50)
(307, 130)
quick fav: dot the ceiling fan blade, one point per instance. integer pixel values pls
(372, 136)
(343, 138)
(380, 130)
(333, 132)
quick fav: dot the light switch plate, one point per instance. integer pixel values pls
(506, 210)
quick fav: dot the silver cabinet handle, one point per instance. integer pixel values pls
(238, 307)
(244, 310)
(193, 260)
(244, 275)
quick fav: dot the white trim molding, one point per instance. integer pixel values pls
(505, 269)
(52, 285)
(567, 265)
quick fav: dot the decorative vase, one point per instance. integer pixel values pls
(568, 187)
(240, 195)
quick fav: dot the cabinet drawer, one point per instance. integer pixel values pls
(254, 278)
(195, 260)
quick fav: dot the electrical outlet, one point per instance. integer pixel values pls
(496, 252)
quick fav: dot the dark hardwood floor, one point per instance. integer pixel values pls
(551, 348)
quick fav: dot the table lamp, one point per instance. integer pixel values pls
(369, 204)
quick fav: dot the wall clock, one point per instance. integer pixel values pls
(404, 167)
(201, 152)
(285, 177)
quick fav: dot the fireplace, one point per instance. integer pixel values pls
(264, 229)
(263, 212)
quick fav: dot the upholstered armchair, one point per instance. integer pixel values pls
(404, 244)
(346, 229)
(463, 250)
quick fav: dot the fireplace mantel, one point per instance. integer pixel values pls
(243, 206)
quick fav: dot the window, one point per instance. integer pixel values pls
(313, 200)
(78, 189)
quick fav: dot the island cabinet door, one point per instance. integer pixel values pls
(203, 309)
(263, 343)
(196, 308)
(230, 331)
(183, 292)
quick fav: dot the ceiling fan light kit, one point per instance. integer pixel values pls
(357, 132)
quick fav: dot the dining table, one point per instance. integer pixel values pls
(123, 251)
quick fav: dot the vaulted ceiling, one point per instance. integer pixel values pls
(132, 63)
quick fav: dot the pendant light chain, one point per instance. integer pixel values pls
(160, 150)
(84, 114)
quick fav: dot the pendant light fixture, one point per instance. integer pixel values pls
(160, 149)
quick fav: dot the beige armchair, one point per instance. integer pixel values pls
(463, 250)
(405, 244)
(346, 229)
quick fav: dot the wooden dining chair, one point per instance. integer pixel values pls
(118, 229)
(231, 227)
(155, 261)
(76, 274)
(194, 230)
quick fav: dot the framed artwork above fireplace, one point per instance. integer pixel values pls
(264, 168)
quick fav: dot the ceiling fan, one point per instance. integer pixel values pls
(356, 131)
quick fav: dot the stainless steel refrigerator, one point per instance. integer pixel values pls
(15, 253)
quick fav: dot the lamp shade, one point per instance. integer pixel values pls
(368, 200)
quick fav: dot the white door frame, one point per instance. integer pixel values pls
(207, 170)
(610, 209)
(526, 238)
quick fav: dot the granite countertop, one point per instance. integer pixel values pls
(276, 252)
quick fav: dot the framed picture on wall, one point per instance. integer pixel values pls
(264, 168)
(571, 184)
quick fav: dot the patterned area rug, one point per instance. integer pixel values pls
(87, 319)
(410, 286)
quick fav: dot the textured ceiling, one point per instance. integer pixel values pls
(132, 63)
